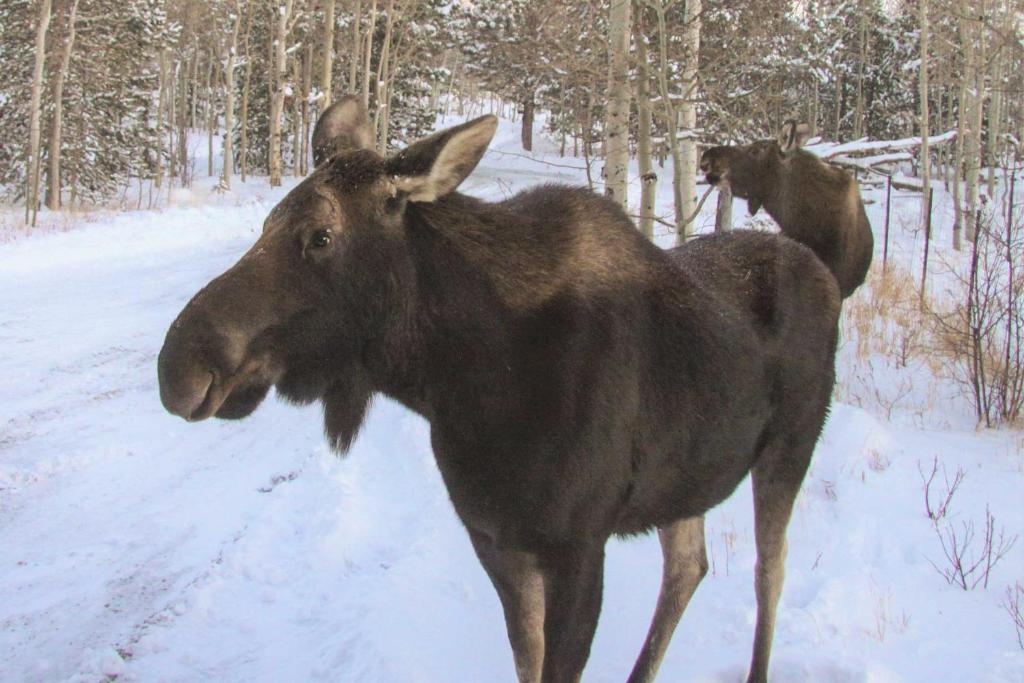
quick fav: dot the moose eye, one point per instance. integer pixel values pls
(320, 239)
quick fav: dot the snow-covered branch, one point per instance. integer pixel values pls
(874, 155)
(828, 150)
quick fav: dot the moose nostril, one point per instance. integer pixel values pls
(184, 383)
(204, 388)
(185, 399)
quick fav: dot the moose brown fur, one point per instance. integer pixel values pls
(579, 382)
(814, 203)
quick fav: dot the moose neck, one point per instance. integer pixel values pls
(471, 269)
(768, 193)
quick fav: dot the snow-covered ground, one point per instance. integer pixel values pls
(138, 547)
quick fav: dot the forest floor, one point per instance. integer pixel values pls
(138, 547)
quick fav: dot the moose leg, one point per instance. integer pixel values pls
(573, 581)
(520, 585)
(685, 564)
(776, 481)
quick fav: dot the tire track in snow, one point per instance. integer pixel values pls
(134, 503)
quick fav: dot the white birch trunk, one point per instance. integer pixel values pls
(297, 97)
(307, 86)
(354, 51)
(32, 176)
(381, 114)
(958, 165)
(243, 133)
(974, 79)
(858, 117)
(172, 108)
(688, 158)
(53, 174)
(229, 101)
(648, 179)
(925, 163)
(327, 64)
(211, 112)
(284, 13)
(670, 118)
(368, 53)
(996, 112)
(616, 126)
(161, 104)
(194, 70)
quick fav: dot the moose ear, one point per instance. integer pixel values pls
(793, 135)
(344, 126)
(434, 166)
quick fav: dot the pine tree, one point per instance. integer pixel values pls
(111, 137)
(423, 38)
(508, 47)
(256, 149)
(16, 58)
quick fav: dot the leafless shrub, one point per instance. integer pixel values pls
(1012, 603)
(981, 336)
(965, 566)
(936, 505)
(888, 401)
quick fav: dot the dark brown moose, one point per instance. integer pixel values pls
(814, 203)
(579, 382)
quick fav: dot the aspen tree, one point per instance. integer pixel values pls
(648, 179)
(53, 174)
(925, 161)
(688, 159)
(369, 52)
(327, 48)
(32, 195)
(354, 51)
(284, 21)
(380, 114)
(243, 134)
(229, 101)
(616, 128)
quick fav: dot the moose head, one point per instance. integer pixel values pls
(751, 169)
(326, 279)
(814, 203)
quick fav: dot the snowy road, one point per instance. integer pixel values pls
(138, 546)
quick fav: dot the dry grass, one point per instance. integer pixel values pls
(886, 364)
(13, 227)
(886, 618)
(887, 318)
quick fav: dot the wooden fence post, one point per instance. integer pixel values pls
(927, 240)
(723, 214)
(888, 203)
